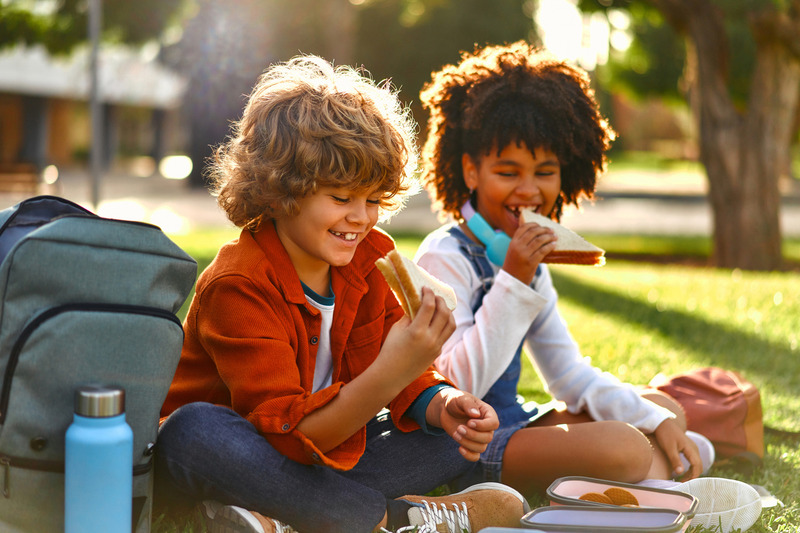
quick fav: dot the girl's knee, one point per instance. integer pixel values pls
(629, 451)
(668, 402)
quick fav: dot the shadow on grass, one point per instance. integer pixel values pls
(766, 363)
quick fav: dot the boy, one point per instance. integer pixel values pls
(294, 341)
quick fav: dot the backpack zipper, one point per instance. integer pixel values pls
(6, 463)
(29, 328)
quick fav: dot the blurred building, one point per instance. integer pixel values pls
(44, 107)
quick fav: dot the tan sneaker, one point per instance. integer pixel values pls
(232, 519)
(479, 506)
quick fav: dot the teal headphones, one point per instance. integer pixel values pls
(496, 241)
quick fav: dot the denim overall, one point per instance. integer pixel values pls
(502, 396)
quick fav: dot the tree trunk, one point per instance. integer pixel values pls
(338, 30)
(744, 154)
(744, 162)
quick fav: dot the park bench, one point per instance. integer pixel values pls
(20, 178)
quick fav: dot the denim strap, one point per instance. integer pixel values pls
(476, 253)
(503, 393)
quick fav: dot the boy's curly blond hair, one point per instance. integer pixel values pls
(309, 124)
(512, 93)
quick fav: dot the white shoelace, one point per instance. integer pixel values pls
(411, 529)
(435, 518)
(280, 527)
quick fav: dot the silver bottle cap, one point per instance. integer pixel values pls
(99, 401)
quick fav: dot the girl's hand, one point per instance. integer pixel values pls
(529, 245)
(673, 441)
(469, 421)
(412, 345)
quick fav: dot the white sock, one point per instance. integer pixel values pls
(706, 449)
(658, 484)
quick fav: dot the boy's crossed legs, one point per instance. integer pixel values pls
(211, 453)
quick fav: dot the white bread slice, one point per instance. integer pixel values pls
(571, 248)
(406, 280)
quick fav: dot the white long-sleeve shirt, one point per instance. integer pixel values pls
(484, 343)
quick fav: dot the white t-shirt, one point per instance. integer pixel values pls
(323, 367)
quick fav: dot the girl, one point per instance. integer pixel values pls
(511, 127)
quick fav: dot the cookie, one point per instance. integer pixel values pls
(620, 496)
(596, 497)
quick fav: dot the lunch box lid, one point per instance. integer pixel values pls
(584, 518)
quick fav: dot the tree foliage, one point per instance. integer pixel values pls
(406, 40)
(403, 40)
(65, 25)
(654, 64)
(741, 79)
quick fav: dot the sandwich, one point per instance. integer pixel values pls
(406, 280)
(571, 248)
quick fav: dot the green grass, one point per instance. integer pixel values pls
(638, 319)
(652, 161)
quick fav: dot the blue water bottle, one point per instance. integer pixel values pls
(98, 470)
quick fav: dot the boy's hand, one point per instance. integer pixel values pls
(529, 245)
(408, 351)
(413, 345)
(470, 421)
(673, 441)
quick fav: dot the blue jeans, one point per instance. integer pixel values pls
(210, 452)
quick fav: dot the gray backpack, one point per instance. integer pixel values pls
(83, 300)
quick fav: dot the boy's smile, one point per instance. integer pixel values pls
(331, 223)
(514, 179)
(345, 236)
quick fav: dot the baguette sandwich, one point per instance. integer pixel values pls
(406, 280)
(571, 248)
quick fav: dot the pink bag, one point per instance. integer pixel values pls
(723, 406)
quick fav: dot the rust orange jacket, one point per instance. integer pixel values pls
(251, 342)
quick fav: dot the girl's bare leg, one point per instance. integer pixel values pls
(561, 444)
